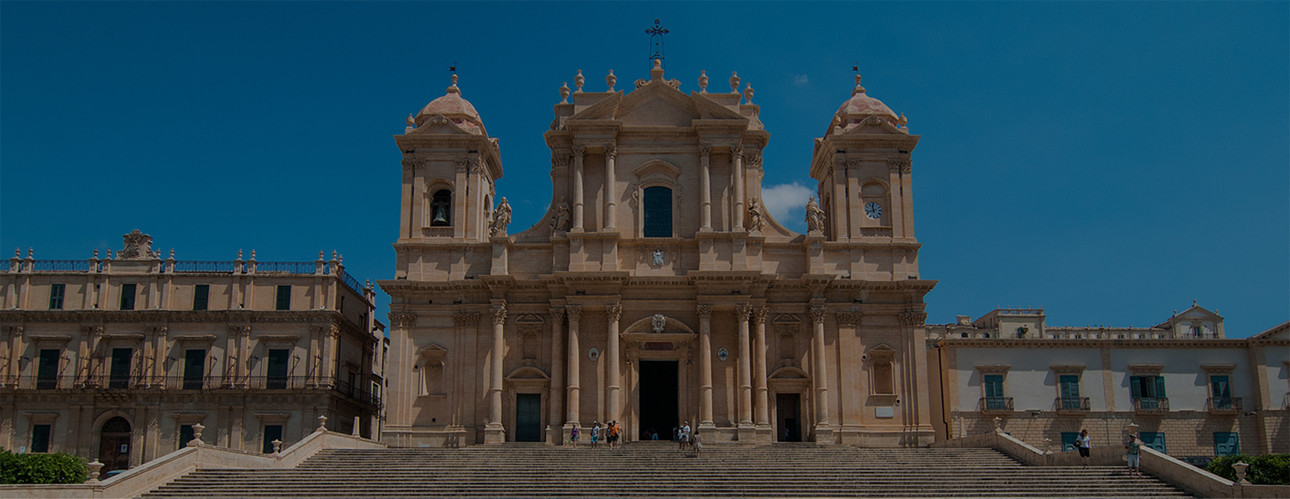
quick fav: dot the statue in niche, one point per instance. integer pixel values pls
(560, 221)
(501, 218)
(754, 215)
(814, 216)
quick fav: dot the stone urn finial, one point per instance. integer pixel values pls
(322, 423)
(734, 82)
(748, 93)
(611, 80)
(277, 446)
(564, 93)
(94, 466)
(1240, 467)
(197, 435)
(578, 81)
(703, 82)
(998, 424)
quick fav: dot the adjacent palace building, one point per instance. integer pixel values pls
(656, 290)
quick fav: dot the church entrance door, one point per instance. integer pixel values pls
(528, 417)
(658, 398)
(788, 420)
(114, 444)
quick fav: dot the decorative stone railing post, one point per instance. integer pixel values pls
(277, 446)
(358, 425)
(322, 423)
(1240, 467)
(95, 466)
(197, 435)
(998, 424)
(1048, 446)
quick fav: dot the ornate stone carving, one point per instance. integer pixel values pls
(579, 150)
(557, 314)
(137, 245)
(658, 322)
(560, 159)
(748, 93)
(614, 312)
(743, 312)
(499, 314)
(574, 312)
(899, 163)
(754, 215)
(611, 80)
(705, 312)
(501, 218)
(578, 81)
(411, 163)
(560, 219)
(611, 152)
(462, 165)
(402, 320)
(658, 257)
(564, 93)
(703, 82)
(814, 216)
(913, 318)
(817, 315)
(759, 315)
(848, 318)
(734, 82)
(705, 150)
(465, 319)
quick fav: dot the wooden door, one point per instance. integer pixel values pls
(114, 445)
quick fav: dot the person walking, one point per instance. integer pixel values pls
(1133, 451)
(1085, 445)
(697, 442)
(685, 436)
(613, 432)
(595, 434)
(573, 437)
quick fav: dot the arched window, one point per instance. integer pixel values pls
(658, 212)
(441, 208)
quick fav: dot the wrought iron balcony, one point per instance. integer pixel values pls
(1151, 405)
(1072, 404)
(996, 404)
(1224, 405)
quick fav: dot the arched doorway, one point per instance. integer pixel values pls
(114, 444)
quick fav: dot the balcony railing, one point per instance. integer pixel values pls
(188, 383)
(1072, 404)
(364, 397)
(60, 265)
(1151, 405)
(996, 404)
(1224, 405)
(205, 266)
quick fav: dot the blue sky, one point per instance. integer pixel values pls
(1110, 162)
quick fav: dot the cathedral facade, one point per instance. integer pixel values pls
(657, 289)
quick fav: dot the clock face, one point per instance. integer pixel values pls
(873, 210)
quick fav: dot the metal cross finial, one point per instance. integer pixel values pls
(656, 33)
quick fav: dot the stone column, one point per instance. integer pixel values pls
(556, 397)
(493, 431)
(611, 361)
(737, 177)
(571, 398)
(705, 188)
(759, 368)
(610, 191)
(578, 153)
(705, 367)
(820, 375)
(459, 198)
(745, 377)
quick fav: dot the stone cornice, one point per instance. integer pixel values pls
(1089, 343)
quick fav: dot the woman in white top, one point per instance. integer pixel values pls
(1084, 444)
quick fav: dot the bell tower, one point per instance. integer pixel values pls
(450, 167)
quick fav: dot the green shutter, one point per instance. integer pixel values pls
(1135, 384)
(1160, 387)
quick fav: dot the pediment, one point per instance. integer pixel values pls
(527, 373)
(711, 110)
(657, 104)
(604, 109)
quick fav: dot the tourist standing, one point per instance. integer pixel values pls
(685, 435)
(1133, 451)
(573, 437)
(595, 433)
(697, 442)
(1084, 444)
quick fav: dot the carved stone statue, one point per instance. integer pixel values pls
(501, 218)
(137, 245)
(560, 221)
(658, 257)
(814, 216)
(754, 215)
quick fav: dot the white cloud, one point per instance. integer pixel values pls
(787, 202)
(800, 80)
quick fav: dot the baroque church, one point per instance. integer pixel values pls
(657, 289)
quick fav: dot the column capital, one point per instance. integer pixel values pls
(705, 150)
(705, 312)
(462, 165)
(913, 318)
(400, 319)
(848, 318)
(499, 314)
(759, 315)
(611, 152)
(560, 159)
(465, 318)
(579, 150)
(614, 312)
(817, 315)
(557, 314)
(743, 311)
(574, 312)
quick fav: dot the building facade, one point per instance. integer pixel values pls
(657, 289)
(1181, 384)
(120, 359)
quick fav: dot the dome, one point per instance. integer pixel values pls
(453, 107)
(858, 109)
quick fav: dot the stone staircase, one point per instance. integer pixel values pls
(659, 469)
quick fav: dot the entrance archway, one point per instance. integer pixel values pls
(658, 394)
(114, 444)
